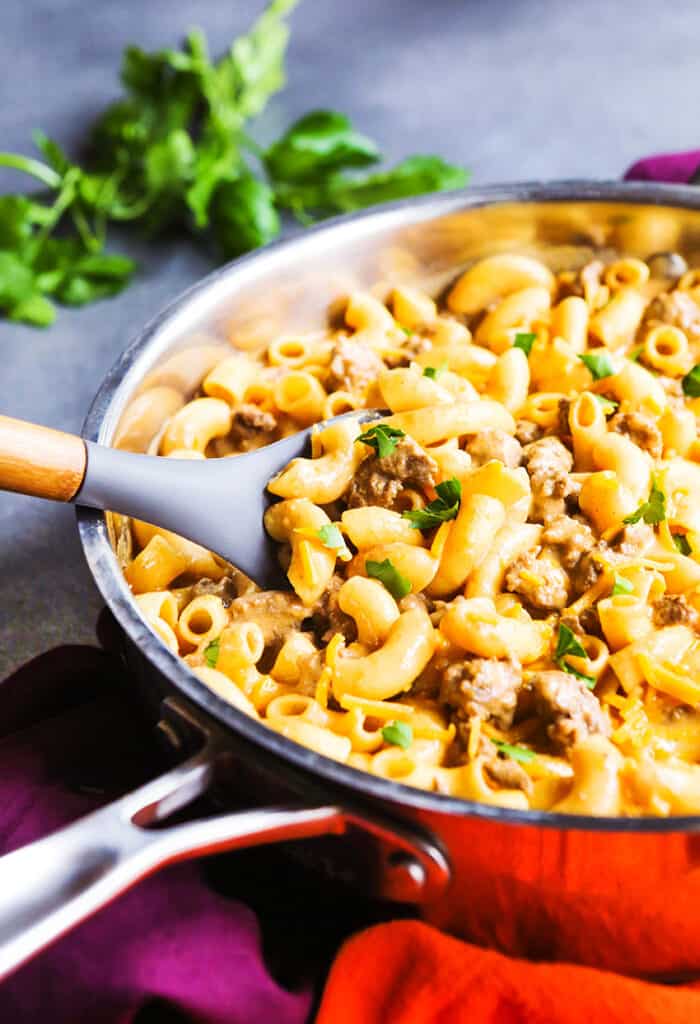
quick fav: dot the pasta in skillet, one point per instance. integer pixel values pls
(495, 587)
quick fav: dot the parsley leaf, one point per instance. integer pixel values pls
(243, 215)
(599, 364)
(331, 537)
(682, 543)
(521, 754)
(634, 353)
(211, 652)
(691, 382)
(652, 511)
(387, 573)
(316, 145)
(607, 404)
(383, 438)
(622, 586)
(525, 341)
(341, 193)
(590, 681)
(444, 508)
(569, 645)
(433, 372)
(399, 734)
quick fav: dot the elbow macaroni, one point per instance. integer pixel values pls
(547, 598)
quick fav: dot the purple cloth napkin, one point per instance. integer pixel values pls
(673, 168)
(171, 942)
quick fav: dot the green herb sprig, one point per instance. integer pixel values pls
(606, 404)
(441, 510)
(691, 382)
(433, 372)
(621, 585)
(331, 537)
(517, 753)
(525, 340)
(387, 574)
(174, 152)
(211, 652)
(399, 734)
(383, 438)
(652, 511)
(568, 645)
(682, 544)
(599, 364)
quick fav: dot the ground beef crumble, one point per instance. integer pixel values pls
(568, 706)
(249, 422)
(672, 610)
(353, 366)
(494, 444)
(548, 463)
(327, 618)
(571, 536)
(676, 308)
(526, 432)
(501, 769)
(381, 481)
(539, 580)
(483, 687)
(641, 429)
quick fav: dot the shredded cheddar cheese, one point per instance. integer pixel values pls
(667, 679)
(474, 737)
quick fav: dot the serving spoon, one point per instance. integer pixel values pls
(218, 503)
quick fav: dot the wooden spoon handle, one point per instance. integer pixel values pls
(39, 461)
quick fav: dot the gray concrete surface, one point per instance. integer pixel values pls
(515, 89)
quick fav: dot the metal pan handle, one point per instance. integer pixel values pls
(53, 884)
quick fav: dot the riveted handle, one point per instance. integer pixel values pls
(39, 461)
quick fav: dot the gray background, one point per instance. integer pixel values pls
(514, 89)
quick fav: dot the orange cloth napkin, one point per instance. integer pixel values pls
(407, 972)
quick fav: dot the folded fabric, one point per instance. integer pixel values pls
(172, 943)
(406, 972)
(672, 168)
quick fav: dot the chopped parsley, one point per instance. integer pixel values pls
(622, 586)
(525, 340)
(331, 537)
(211, 652)
(444, 508)
(652, 511)
(634, 354)
(691, 382)
(607, 404)
(599, 364)
(399, 734)
(682, 544)
(568, 644)
(387, 573)
(521, 754)
(406, 330)
(433, 372)
(383, 438)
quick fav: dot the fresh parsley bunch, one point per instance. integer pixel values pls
(174, 152)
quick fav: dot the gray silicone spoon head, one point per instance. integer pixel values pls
(218, 503)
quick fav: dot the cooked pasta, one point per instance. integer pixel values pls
(495, 588)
